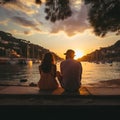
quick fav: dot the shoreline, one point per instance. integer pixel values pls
(103, 83)
(107, 83)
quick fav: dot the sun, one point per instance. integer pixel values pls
(78, 54)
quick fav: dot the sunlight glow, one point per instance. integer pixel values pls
(78, 54)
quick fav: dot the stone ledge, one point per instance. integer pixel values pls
(24, 90)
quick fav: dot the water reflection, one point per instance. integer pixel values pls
(12, 74)
(92, 73)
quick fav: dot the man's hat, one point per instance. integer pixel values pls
(69, 52)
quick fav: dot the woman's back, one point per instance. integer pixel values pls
(47, 74)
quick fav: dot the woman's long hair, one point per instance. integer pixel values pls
(47, 62)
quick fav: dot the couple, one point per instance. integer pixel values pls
(69, 75)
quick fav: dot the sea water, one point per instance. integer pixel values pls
(92, 73)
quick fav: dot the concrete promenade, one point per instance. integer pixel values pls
(29, 102)
(87, 96)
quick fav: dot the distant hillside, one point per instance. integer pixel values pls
(111, 53)
(16, 47)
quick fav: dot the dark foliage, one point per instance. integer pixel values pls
(104, 16)
(38, 1)
(57, 10)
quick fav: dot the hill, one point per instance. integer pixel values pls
(16, 47)
(105, 54)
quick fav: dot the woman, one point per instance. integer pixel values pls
(47, 71)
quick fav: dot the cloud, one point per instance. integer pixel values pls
(26, 23)
(25, 14)
(19, 32)
(75, 24)
(21, 6)
(28, 32)
(4, 22)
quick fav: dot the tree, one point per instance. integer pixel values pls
(104, 15)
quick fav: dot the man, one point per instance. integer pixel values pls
(70, 72)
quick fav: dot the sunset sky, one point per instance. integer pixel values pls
(25, 19)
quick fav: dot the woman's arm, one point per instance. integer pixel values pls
(54, 68)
